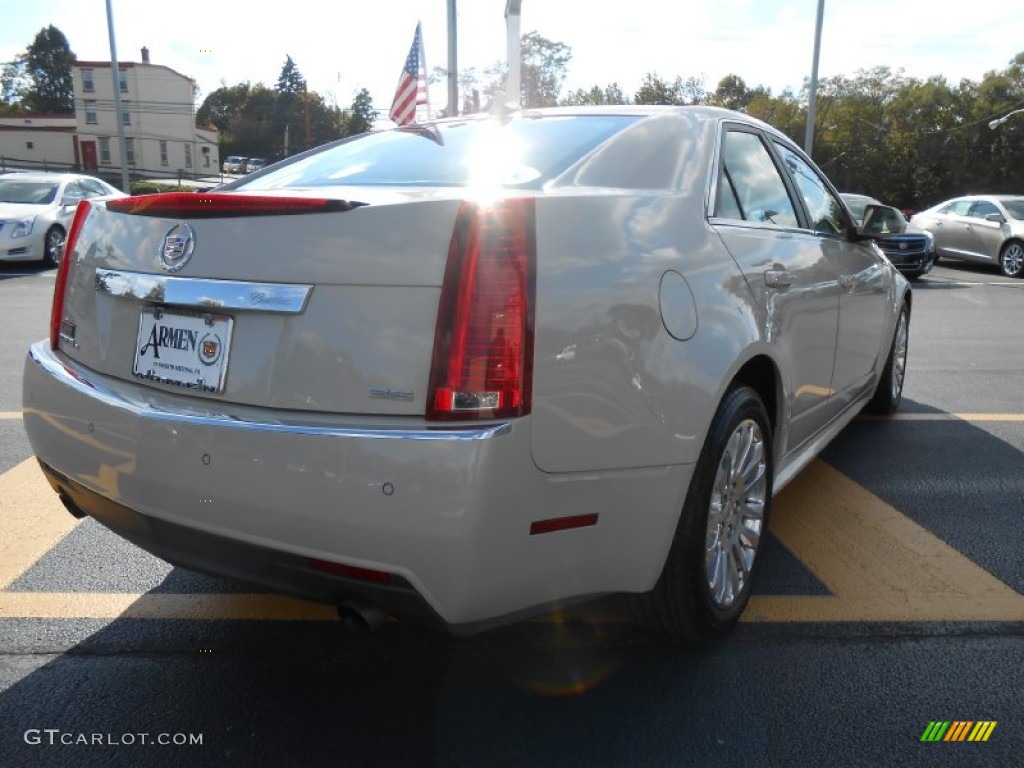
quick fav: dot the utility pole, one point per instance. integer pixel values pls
(115, 76)
(812, 95)
(513, 9)
(453, 63)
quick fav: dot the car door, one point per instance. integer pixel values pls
(789, 274)
(863, 275)
(984, 238)
(950, 230)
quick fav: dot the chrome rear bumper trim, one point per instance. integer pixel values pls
(41, 354)
(202, 292)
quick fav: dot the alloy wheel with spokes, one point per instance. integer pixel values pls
(736, 514)
(1011, 260)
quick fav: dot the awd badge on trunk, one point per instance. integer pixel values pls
(177, 247)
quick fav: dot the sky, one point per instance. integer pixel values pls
(341, 46)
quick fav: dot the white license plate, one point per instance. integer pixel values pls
(186, 349)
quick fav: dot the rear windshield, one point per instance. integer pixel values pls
(524, 151)
(1015, 208)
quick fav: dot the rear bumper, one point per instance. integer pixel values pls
(253, 493)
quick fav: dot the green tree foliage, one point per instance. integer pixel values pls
(290, 80)
(252, 119)
(40, 80)
(359, 117)
(654, 90)
(13, 84)
(543, 70)
(610, 94)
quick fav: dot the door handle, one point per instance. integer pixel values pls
(847, 281)
(778, 278)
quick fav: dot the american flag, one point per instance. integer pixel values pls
(412, 85)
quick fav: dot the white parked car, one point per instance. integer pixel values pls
(36, 210)
(233, 164)
(475, 369)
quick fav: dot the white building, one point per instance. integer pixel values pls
(37, 141)
(158, 112)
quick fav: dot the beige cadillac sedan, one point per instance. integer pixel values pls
(472, 370)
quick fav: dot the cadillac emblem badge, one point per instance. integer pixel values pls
(177, 247)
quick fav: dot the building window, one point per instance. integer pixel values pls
(188, 155)
(87, 84)
(90, 112)
(104, 150)
(30, 144)
(129, 151)
(206, 157)
(126, 118)
(163, 153)
(122, 77)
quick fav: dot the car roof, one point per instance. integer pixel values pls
(42, 176)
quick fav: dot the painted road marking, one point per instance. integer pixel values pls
(940, 416)
(10, 415)
(878, 564)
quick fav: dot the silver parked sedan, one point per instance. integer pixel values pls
(983, 229)
(36, 210)
(474, 369)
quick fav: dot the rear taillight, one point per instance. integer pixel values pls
(60, 286)
(220, 205)
(483, 345)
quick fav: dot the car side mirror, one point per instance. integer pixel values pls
(995, 217)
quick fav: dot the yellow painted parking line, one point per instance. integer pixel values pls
(1010, 417)
(104, 605)
(32, 519)
(878, 563)
(10, 415)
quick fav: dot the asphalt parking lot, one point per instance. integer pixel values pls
(892, 597)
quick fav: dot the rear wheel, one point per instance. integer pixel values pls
(708, 575)
(52, 245)
(889, 391)
(1011, 259)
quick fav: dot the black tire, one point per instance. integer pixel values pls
(683, 603)
(1011, 259)
(889, 391)
(53, 243)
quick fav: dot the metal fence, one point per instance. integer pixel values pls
(112, 176)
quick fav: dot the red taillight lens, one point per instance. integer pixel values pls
(60, 286)
(219, 205)
(483, 345)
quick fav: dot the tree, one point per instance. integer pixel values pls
(360, 116)
(48, 66)
(290, 79)
(657, 91)
(610, 94)
(13, 84)
(543, 70)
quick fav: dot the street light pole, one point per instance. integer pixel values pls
(512, 23)
(453, 61)
(812, 95)
(118, 119)
(993, 124)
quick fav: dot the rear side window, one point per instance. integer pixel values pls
(523, 151)
(749, 185)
